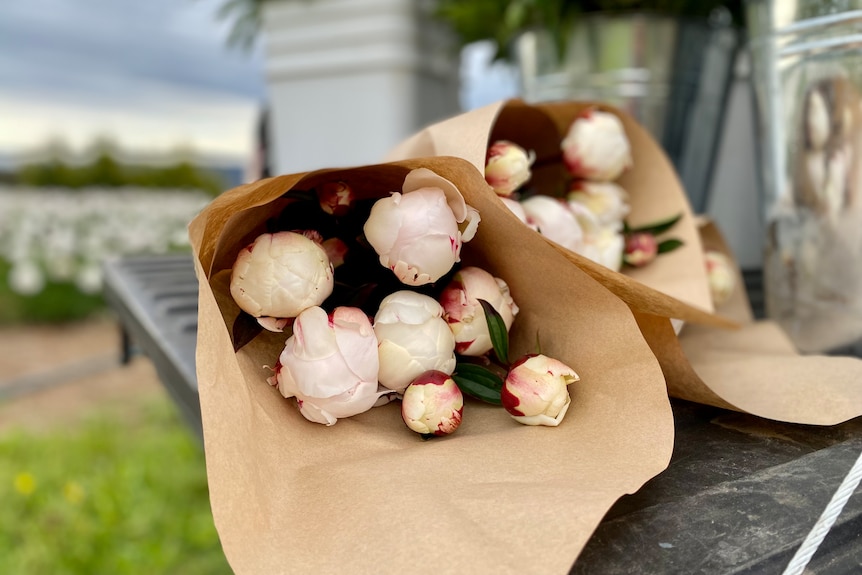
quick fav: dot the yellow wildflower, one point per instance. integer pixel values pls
(25, 483)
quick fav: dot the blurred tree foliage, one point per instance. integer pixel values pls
(104, 170)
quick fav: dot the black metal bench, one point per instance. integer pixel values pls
(739, 497)
(156, 301)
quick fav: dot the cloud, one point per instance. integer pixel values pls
(93, 45)
(148, 74)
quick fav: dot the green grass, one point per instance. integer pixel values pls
(58, 302)
(114, 494)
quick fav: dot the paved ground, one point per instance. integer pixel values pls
(53, 374)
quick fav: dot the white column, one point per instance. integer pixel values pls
(349, 79)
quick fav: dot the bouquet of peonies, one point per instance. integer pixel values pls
(594, 183)
(289, 495)
(391, 329)
(402, 291)
(546, 150)
(590, 218)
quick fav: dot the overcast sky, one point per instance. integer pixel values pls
(152, 74)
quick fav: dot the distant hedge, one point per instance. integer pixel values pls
(105, 171)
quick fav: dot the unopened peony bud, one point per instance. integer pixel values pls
(507, 167)
(720, 275)
(596, 147)
(313, 235)
(336, 251)
(641, 249)
(432, 404)
(412, 338)
(280, 275)
(464, 314)
(335, 198)
(536, 390)
(330, 364)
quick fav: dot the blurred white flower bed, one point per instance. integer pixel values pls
(55, 234)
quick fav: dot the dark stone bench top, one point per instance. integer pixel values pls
(740, 495)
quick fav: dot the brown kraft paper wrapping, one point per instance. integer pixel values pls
(369, 496)
(754, 368)
(675, 284)
(757, 369)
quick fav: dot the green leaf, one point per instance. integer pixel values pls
(498, 331)
(659, 227)
(669, 245)
(478, 382)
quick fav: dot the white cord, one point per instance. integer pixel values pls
(827, 520)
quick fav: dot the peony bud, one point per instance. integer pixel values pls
(336, 251)
(507, 167)
(418, 233)
(279, 275)
(817, 121)
(720, 275)
(536, 391)
(432, 404)
(313, 235)
(464, 314)
(607, 201)
(335, 198)
(330, 364)
(641, 249)
(596, 147)
(412, 338)
(555, 221)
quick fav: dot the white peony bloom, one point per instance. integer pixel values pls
(555, 221)
(412, 338)
(280, 275)
(607, 201)
(596, 147)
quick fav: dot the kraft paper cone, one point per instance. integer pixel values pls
(369, 496)
(757, 369)
(675, 284)
(754, 369)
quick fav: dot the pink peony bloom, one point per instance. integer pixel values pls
(464, 314)
(418, 233)
(330, 364)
